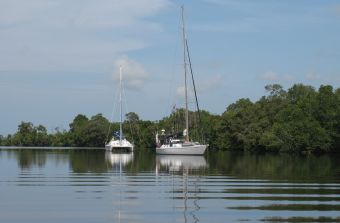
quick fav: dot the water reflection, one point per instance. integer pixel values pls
(292, 167)
(83, 161)
(218, 187)
(189, 168)
(118, 160)
(295, 168)
(180, 163)
(27, 159)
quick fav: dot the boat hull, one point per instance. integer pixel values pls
(182, 150)
(119, 148)
(119, 145)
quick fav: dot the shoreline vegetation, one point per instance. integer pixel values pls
(300, 119)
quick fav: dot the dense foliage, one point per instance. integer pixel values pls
(299, 119)
(295, 120)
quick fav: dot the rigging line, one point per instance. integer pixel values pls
(193, 83)
(126, 110)
(112, 115)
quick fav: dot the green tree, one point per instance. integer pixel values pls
(296, 128)
(298, 119)
(61, 138)
(298, 132)
(95, 130)
(89, 132)
(132, 117)
(41, 136)
(132, 128)
(77, 128)
(7, 141)
(210, 129)
(25, 135)
(237, 128)
(327, 111)
(275, 90)
(336, 144)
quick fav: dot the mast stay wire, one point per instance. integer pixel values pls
(112, 115)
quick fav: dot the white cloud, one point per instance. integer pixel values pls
(223, 2)
(180, 91)
(270, 76)
(288, 77)
(312, 76)
(118, 13)
(17, 12)
(73, 35)
(246, 26)
(210, 84)
(337, 9)
(201, 86)
(96, 14)
(273, 76)
(134, 74)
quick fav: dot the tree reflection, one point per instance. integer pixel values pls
(300, 168)
(83, 161)
(275, 166)
(27, 159)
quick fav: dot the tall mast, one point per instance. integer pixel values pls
(185, 77)
(120, 104)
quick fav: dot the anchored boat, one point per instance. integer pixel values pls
(118, 141)
(181, 144)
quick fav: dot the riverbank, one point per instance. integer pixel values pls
(48, 148)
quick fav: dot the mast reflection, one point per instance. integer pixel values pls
(186, 186)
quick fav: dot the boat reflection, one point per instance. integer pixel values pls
(177, 163)
(118, 160)
(189, 169)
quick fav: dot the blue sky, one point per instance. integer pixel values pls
(61, 58)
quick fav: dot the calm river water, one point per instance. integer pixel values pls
(68, 185)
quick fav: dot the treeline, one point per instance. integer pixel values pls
(83, 132)
(298, 119)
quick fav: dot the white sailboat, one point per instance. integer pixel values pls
(119, 142)
(173, 145)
